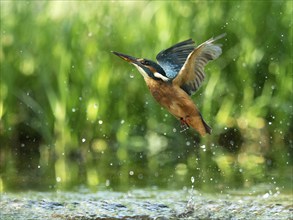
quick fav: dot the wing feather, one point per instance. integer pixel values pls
(191, 75)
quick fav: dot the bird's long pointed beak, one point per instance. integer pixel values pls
(125, 57)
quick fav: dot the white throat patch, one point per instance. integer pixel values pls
(142, 72)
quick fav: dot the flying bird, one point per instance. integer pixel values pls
(178, 74)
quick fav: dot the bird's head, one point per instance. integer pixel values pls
(147, 68)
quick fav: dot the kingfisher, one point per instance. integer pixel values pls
(178, 74)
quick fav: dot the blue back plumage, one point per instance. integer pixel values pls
(173, 58)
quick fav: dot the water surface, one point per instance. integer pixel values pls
(146, 204)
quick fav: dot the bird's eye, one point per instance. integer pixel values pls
(145, 62)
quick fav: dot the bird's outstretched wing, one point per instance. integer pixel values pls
(192, 73)
(173, 58)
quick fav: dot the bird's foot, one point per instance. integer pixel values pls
(184, 125)
(184, 122)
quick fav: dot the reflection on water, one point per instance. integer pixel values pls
(199, 167)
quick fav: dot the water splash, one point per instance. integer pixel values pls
(189, 209)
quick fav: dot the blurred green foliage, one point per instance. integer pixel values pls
(72, 113)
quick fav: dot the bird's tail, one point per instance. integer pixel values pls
(199, 125)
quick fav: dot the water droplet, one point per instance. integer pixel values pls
(174, 130)
(73, 109)
(131, 173)
(39, 166)
(265, 196)
(192, 179)
(122, 122)
(90, 34)
(58, 179)
(100, 122)
(83, 140)
(203, 146)
(80, 98)
(131, 76)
